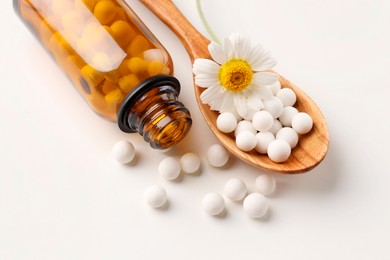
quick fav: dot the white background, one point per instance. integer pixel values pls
(62, 196)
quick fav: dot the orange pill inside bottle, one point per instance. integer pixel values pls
(115, 62)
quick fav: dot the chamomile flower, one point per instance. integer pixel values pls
(236, 79)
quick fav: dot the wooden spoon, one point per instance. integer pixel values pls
(312, 147)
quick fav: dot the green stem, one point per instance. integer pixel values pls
(205, 23)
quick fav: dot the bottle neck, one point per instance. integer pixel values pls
(152, 109)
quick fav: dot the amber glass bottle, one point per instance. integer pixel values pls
(115, 62)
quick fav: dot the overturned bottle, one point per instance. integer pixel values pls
(115, 62)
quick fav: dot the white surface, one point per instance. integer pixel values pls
(62, 196)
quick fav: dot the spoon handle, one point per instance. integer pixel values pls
(194, 42)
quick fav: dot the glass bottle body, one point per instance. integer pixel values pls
(105, 50)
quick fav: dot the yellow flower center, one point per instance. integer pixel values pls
(235, 75)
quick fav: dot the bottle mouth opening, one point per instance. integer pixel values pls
(132, 97)
(173, 132)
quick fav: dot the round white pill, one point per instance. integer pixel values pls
(213, 204)
(155, 196)
(255, 205)
(275, 127)
(244, 125)
(262, 121)
(263, 141)
(226, 122)
(302, 123)
(275, 87)
(169, 168)
(287, 96)
(265, 184)
(274, 106)
(190, 163)
(217, 155)
(123, 151)
(279, 151)
(246, 141)
(235, 189)
(287, 115)
(289, 135)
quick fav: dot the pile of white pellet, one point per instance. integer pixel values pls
(274, 130)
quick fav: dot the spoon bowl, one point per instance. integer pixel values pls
(312, 147)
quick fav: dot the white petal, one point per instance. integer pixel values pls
(205, 66)
(241, 105)
(260, 59)
(263, 92)
(228, 103)
(217, 53)
(206, 81)
(228, 49)
(210, 94)
(217, 103)
(254, 101)
(265, 78)
(242, 47)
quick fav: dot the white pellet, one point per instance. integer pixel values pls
(190, 163)
(213, 204)
(289, 135)
(235, 189)
(226, 122)
(287, 115)
(263, 141)
(275, 127)
(262, 121)
(246, 141)
(279, 151)
(287, 96)
(274, 106)
(155, 196)
(123, 151)
(255, 205)
(302, 123)
(265, 184)
(217, 155)
(169, 168)
(244, 125)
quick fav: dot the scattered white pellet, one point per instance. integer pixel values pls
(255, 205)
(265, 184)
(289, 135)
(244, 125)
(155, 196)
(263, 141)
(169, 168)
(217, 155)
(262, 121)
(123, 151)
(287, 96)
(275, 127)
(226, 122)
(190, 163)
(213, 204)
(235, 189)
(279, 151)
(246, 141)
(274, 106)
(302, 123)
(287, 115)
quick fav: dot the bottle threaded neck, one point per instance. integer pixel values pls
(152, 109)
